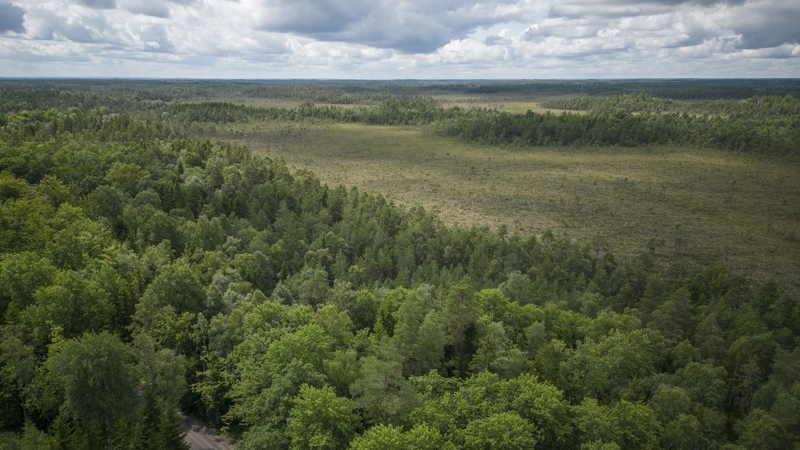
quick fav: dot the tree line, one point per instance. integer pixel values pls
(764, 125)
(145, 272)
(757, 134)
(770, 106)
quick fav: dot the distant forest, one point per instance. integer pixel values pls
(146, 272)
(354, 92)
(766, 125)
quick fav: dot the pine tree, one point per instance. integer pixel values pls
(148, 428)
(60, 434)
(171, 431)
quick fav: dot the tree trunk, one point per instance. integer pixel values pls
(107, 418)
(461, 353)
(24, 409)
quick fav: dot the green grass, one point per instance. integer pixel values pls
(523, 107)
(708, 206)
(512, 105)
(271, 102)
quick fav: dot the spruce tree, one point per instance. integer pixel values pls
(148, 428)
(60, 435)
(171, 431)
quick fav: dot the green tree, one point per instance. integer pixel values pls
(321, 420)
(363, 310)
(342, 370)
(543, 405)
(629, 425)
(171, 432)
(634, 425)
(669, 402)
(146, 433)
(429, 351)
(492, 303)
(380, 437)
(763, 431)
(17, 365)
(460, 314)
(32, 438)
(21, 274)
(409, 317)
(258, 369)
(268, 413)
(79, 241)
(381, 391)
(312, 286)
(605, 368)
(73, 303)
(501, 431)
(176, 286)
(125, 177)
(385, 319)
(162, 370)
(388, 437)
(337, 325)
(63, 436)
(492, 345)
(424, 437)
(99, 381)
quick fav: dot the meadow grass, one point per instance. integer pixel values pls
(523, 107)
(500, 103)
(270, 102)
(707, 206)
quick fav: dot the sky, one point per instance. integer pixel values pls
(400, 39)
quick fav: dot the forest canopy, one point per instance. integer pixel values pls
(145, 272)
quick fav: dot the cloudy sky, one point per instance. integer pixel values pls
(399, 39)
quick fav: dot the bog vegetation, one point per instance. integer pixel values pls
(145, 271)
(708, 206)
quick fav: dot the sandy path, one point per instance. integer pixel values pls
(201, 437)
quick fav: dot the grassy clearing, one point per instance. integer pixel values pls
(708, 206)
(271, 102)
(523, 107)
(512, 105)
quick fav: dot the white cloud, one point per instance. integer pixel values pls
(400, 38)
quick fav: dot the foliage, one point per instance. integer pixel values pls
(299, 315)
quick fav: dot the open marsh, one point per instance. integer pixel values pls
(708, 206)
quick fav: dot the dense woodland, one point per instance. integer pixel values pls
(748, 129)
(370, 92)
(767, 124)
(748, 132)
(769, 106)
(144, 273)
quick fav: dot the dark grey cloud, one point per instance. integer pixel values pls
(313, 16)
(98, 4)
(11, 18)
(362, 38)
(768, 27)
(626, 8)
(77, 33)
(153, 8)
(411, 26)
(759, 23)
(140, 5)
(30, 58)
(92, 28)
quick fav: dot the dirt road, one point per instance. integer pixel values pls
(201, 438)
